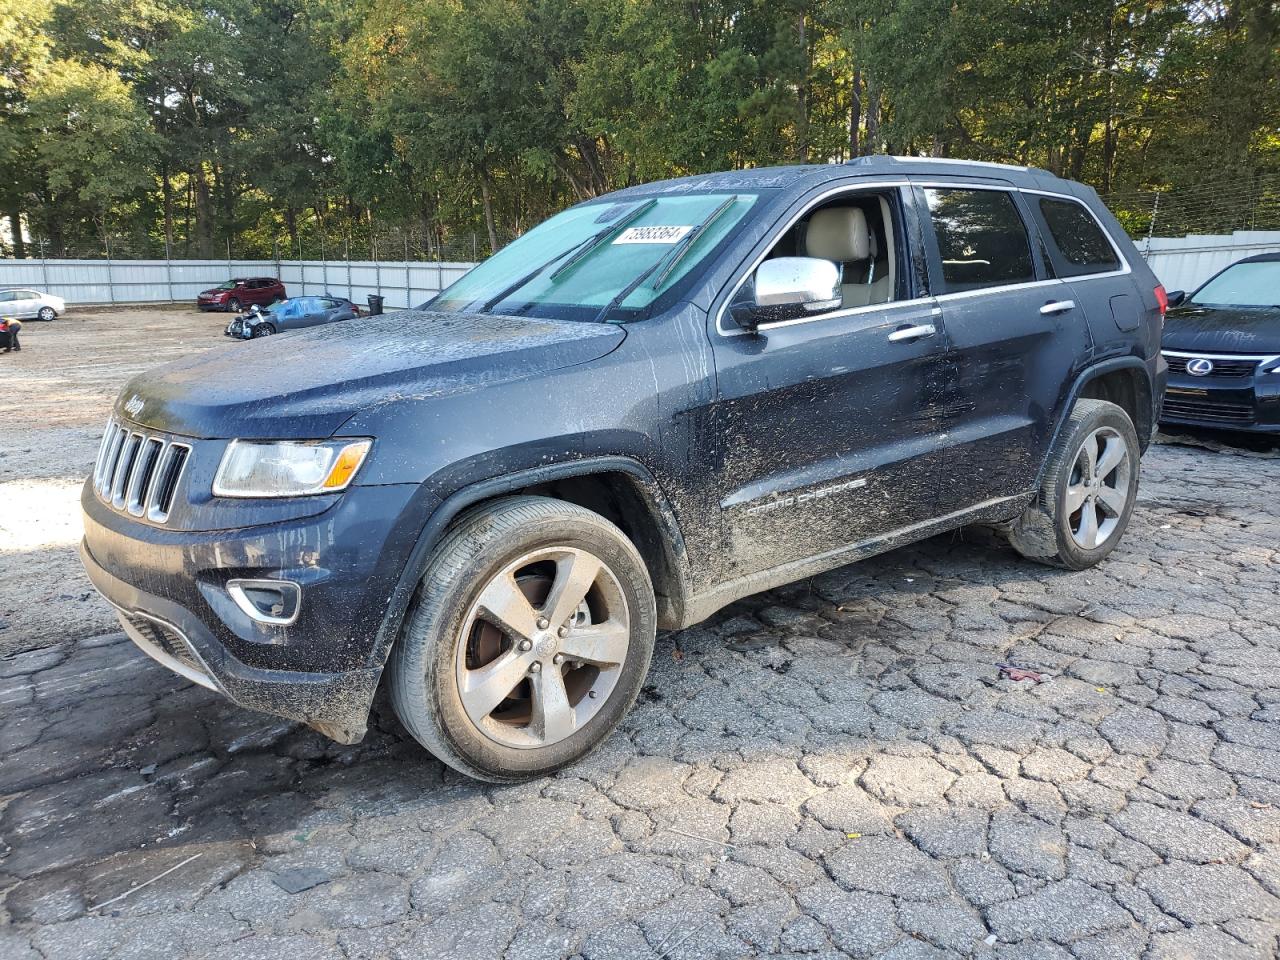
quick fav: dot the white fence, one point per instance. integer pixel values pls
(1181, 263)
(83, 282)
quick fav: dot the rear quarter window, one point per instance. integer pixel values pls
(1082, 246)
(982, 240)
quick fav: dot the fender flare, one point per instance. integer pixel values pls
(1092, 372)
(459, 500)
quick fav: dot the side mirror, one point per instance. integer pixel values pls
(1177, 297)
(788, 288)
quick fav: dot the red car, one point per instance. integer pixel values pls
(235, 295)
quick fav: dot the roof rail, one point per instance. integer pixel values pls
(874, 158)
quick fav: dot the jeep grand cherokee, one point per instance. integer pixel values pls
(654, 403)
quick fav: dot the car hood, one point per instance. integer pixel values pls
(307, 383)
(1197, 329)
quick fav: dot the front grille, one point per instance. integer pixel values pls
(1209, 411)
(138, 472)
(1237, 369)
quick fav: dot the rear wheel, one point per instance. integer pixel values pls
(1087, 495)
(527, 642)
(48, 314)
(262, 330)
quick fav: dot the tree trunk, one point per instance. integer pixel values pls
(487, 199)
(166, 187)
(802, 118)
(855, 113)
(872, 143)
(15, 227)
(204, 215)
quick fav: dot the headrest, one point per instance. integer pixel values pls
(839, 234)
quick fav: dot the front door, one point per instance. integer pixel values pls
(826, 426)
(1015, 341)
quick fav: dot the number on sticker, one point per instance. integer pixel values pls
(652, 234)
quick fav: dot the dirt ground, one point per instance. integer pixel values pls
(58, 392)
(838, 768)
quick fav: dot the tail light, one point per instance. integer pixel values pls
(1162, 299)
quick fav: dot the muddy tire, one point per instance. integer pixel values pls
(1087, 495)
(527, 641)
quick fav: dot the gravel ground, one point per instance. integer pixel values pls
(832, 769)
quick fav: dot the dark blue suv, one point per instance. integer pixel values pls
(655, 403)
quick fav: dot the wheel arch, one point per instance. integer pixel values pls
(1124, 381)
(618, 488)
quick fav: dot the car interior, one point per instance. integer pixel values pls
(857, 233)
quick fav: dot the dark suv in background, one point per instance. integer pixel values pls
(655, 403)
(241, 292)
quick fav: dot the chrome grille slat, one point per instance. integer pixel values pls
(138, 472)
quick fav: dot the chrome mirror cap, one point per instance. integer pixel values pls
(786, 288)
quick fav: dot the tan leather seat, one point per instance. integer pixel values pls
(841, 234)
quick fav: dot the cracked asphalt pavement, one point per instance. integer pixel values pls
(837, 768)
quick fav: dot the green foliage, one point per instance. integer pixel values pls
(203, 125)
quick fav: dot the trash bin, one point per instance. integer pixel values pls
(375, 304)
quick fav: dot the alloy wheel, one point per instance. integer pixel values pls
(1098, 488)
(542, 647)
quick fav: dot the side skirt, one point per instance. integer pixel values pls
(701, 606)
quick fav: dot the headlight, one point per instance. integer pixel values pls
(288, 468)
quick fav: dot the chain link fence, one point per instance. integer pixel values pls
(1220, 207)
(365, 241)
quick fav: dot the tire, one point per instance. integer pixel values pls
(234, 305)
(1055, 529)
(262, 330)
(47, 314)
(538, 546)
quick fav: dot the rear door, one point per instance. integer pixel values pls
(1015, 340)
(1083, 255)
(823, 425)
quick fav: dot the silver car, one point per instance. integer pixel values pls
(292, 314)
(29, 304)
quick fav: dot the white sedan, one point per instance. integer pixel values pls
(25, 304)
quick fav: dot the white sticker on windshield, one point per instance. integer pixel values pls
(652, 234)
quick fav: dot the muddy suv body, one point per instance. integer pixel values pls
(658, 402)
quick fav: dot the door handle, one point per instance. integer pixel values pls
(1057, 306)
(913, 333)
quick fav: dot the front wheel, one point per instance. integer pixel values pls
(262, 330)
(234, 305)
(527, 642)
(1087, 495)
(47, 314)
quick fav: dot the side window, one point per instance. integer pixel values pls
(858, 232)
(6, 296)
(1083, 246)
(981, 238)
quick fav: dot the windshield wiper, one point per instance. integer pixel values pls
(671, 259)
(607, 232)
(579, 250)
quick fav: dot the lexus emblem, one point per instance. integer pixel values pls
(136, 403)
(1199, 367)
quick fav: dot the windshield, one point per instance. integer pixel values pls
(590, 255)
(1243, 285)
(229, 285)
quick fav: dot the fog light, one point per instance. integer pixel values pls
(277, 602)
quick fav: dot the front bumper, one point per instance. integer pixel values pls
(210, 305)
(1232, 401)
(170, 590)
